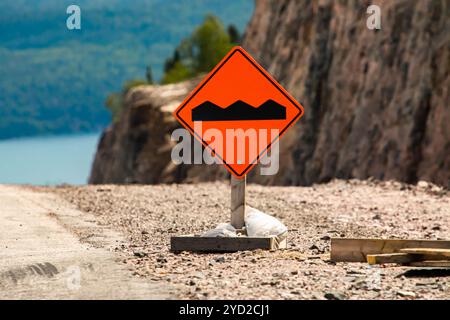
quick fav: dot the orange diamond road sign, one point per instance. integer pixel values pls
(238, 111)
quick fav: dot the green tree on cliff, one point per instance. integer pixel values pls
(200, 52)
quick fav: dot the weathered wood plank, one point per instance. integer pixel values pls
(428, 251)
(206, 244)
(281, 241)
(238, 202)
(430, 264)
(389, 258)
(356, 250)
(401, 258)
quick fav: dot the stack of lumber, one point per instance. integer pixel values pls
(417, 253)
(420, 257)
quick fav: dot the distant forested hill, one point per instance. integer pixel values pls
(54, 80)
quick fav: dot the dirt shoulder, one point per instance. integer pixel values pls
(51, 250)
(149, 215)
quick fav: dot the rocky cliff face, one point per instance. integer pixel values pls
(376, 102)
(137, 149)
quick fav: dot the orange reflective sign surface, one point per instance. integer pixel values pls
(238, 111)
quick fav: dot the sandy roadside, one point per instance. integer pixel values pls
(148, 215)
(50, 250)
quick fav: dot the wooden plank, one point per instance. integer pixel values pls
(401, 258)
(208, 244)
(238, 202)
(281, 241)
(356, 250)
(389, 258)
(428, 251)
(430, 264)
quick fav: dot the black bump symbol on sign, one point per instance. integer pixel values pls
(239, 111)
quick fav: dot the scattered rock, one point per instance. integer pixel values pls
(278, 275)
(436, 189)
(161, 260)
(354, 272)
(334, 296)
(220, 259)
(199, 275)
(192, 283)
(406, 294)
(423, 184)
(423, 284)
(139, 254)
(349, 279)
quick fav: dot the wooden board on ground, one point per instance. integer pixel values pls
(430, 264)
(389, 258)
(401, 258)
(428, 251)
(356, 250)
(209, 244)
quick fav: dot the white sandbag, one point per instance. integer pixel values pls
(223, 230)
(260, 224)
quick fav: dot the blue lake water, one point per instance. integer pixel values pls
(48, 160)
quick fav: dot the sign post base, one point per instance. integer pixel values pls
(230, 244)
(215, 244)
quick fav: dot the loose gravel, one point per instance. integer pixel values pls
(149, 215)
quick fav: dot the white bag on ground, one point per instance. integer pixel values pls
(260, 224)
(223, 230)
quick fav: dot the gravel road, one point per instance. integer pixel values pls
(148, 215)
